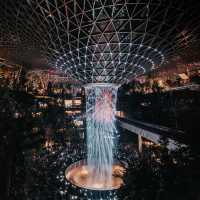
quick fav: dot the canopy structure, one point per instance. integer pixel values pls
(107, 41)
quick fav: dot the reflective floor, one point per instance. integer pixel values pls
(82, 175)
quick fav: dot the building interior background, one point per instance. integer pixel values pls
(99, 99)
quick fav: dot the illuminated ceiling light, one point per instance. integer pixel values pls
(50, 15)
(126, 37)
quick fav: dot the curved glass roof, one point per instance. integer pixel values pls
(99, 40)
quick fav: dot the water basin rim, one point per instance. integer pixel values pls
(90, 85)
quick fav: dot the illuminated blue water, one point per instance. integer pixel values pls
(101, 130)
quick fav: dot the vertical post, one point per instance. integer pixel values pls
(140, 143)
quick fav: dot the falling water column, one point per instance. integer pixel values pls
(101, 131)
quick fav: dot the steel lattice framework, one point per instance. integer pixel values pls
(99, 40)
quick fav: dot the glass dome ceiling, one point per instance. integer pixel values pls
(99, 40)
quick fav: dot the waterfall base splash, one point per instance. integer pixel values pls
(79, 174)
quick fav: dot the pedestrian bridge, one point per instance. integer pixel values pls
(152, 132)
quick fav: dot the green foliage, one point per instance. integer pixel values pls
(172, 175)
